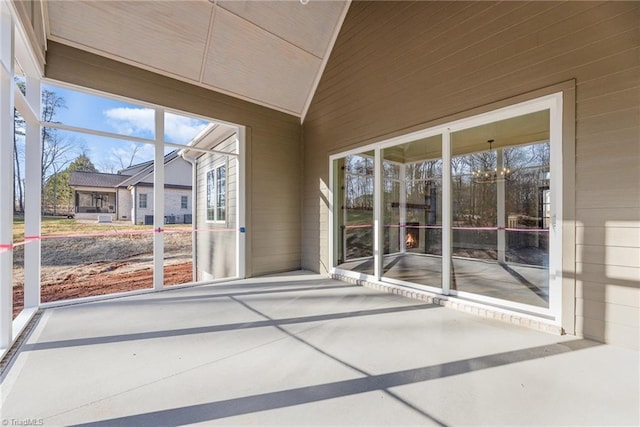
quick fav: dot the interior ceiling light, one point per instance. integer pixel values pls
(491, 176)
(304, 2)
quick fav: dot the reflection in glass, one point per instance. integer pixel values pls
(354, 213)
(412, 210)
(500, 220)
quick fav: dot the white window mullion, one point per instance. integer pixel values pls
(240, 205)
(556, 223)
(402, 208)
(447, 232)
(378, 226)
(500, 199)
(158, 202)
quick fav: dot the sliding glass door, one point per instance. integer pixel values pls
(467, 209)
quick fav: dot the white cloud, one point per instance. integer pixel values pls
(181, 129)
(140, 122)
(131, 121)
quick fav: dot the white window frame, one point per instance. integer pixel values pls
(184, 202)
(553, 103)
(214, 196)
(140, 199)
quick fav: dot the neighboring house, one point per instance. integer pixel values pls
(215, 208)
(128, 195)
(95, 193)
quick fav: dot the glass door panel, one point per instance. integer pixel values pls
(354, 212)
(501, 210)
(412, 207)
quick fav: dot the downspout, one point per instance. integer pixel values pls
(134, 205)
(194, 190)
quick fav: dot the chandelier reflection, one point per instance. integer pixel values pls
(491, 176)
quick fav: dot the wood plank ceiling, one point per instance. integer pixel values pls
(268, 52)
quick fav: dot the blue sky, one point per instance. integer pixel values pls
(93, 112)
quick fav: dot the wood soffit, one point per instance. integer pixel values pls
(271, 53)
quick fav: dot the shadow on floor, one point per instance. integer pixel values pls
(302, 395)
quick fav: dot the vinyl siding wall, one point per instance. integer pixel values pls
(273, 147)
(216, 253)
(398, 67)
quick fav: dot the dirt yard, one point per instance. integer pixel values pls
(88, 266)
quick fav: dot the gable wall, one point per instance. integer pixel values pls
(398, 67)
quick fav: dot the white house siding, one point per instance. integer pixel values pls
(172, 198)
(178, 172)
(216, 250)
(140, 213)
(124, 204)
(397, 67)
(172, 203)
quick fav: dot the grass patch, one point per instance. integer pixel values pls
(63, 226)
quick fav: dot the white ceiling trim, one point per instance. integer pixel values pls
(325, 59)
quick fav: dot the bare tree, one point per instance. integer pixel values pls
(18, 133)
(132, 157)
(55, 149)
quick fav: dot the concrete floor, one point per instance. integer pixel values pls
(511, 282)
(300, 349)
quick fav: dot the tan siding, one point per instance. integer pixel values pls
(610, 217)
(613, 294)
(611, 83)
(608, 255)
(398, 67)
(268, 131)
(609, 236)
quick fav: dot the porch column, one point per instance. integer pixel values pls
(6, 175)
(158, 203)
(33, 190)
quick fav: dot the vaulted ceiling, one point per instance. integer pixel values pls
(268, 52)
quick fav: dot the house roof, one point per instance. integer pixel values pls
(95, 179)
(112, 180)
(218, 44)
(146, 171)
(209, 138)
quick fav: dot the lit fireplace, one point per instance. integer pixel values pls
(413, 236)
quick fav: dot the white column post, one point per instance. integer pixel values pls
(447, 232)
(500, 193)
(6, 175)
(158, 203)
(402, 206)
(378, 226)
(241, 193)
(33, 148)
(194, 219)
